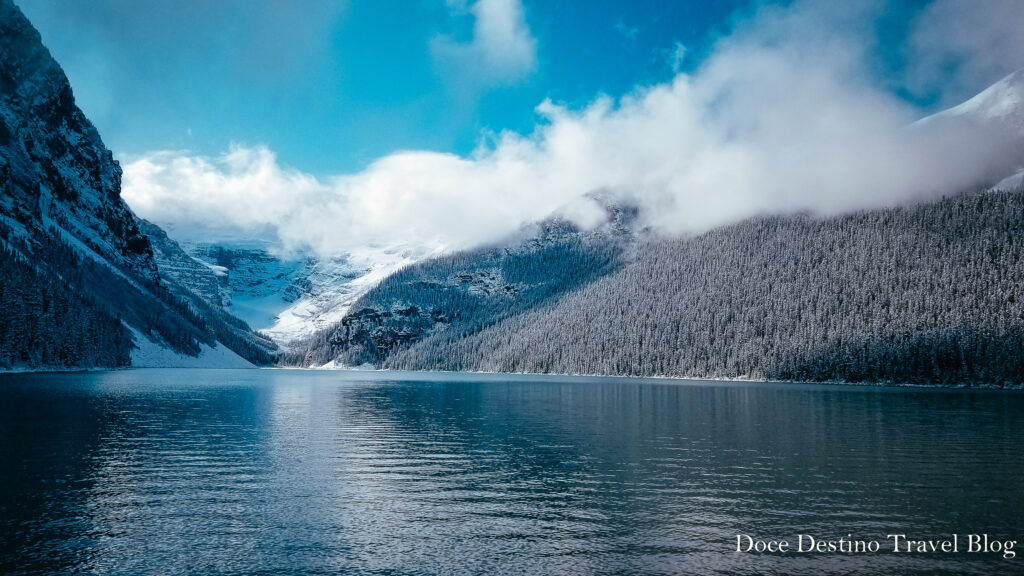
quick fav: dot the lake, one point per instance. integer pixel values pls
(304, 472)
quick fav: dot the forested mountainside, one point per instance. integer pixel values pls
(78, 273)
(928, 294)
(42, 323)
(461, 293)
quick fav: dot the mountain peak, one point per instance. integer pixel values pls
(1001, 102)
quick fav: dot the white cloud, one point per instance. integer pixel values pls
(782, 117)
(502, 48)
(675, 56)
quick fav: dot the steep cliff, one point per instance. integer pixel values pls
(79, 284)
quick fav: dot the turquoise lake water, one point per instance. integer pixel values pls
(303, 472)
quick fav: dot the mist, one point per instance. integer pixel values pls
(786, 114)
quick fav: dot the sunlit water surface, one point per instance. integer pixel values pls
(292, 472)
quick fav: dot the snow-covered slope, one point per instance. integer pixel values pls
(257, 284)
(206, 288)
(149, 354)
(333, 286)
(1001, 104)
(999, 107)
(995, 116)
(206, 280)
(1011, 182)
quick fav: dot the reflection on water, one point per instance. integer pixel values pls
(240, 472)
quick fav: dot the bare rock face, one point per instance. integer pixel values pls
(56, 174)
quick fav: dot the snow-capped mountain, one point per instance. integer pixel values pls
(206, 280)
(255, 284)
(292, 298)
(286, 297)
(996, 113)
(80, 284)
(558, 297)
(1001, 105)
(333, 286)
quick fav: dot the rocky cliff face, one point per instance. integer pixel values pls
(79, 285)
(205, 280)
(55, 171)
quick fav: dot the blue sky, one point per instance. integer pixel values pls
(331, 125)
(332, 85)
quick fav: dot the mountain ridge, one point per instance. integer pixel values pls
(942, 338)
(927, 294)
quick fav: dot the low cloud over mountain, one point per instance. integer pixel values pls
(786, 114)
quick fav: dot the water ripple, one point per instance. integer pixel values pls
(276, 472)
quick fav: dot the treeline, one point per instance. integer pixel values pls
(138, 301)
(927, 294)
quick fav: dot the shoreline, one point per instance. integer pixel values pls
(434, 375)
